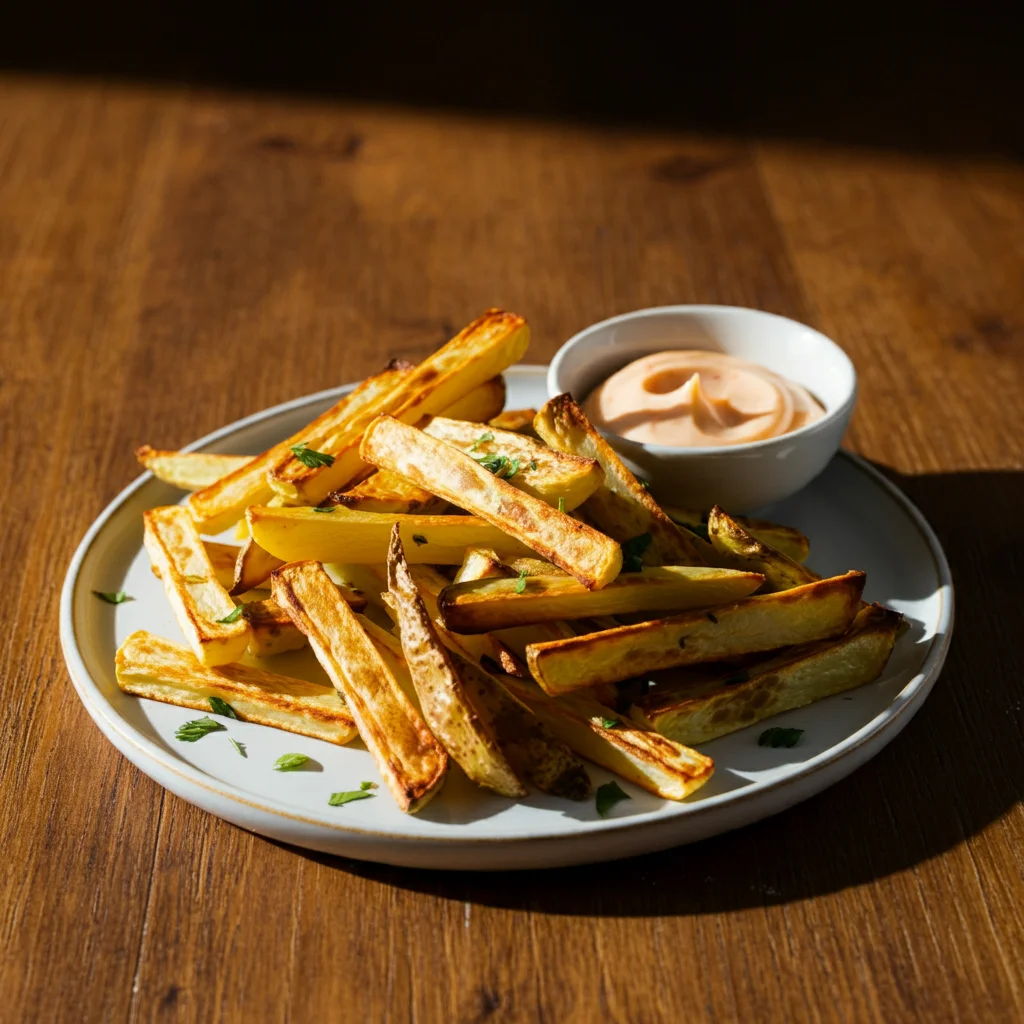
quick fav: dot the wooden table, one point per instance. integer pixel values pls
(172, 261)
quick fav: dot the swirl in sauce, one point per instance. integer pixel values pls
(697, 399)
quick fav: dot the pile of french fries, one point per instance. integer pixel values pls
(543, 610)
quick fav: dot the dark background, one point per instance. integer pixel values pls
(937, 77)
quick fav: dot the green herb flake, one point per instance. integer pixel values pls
(609, 723)
(240, 747)
(222, 707)
(521, 582)
(233, 616)
(419, 539)
(533, 465)
(340, 799)
(496, 464)
(113, 597)
(367, 785)
(197, 729)
(779, 737)
(324, 508)
(561, 504)
(482, 439)
(633, 552)
(608, 796)
(309, 458)
(742, 676)
(643, 483)
(290, 762)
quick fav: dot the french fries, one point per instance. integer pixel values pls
(190, 471)
(787, 539)
(738, 546)
(564, 481)
(519, 421)
(205, 612)
(411, 761)
(388, 492)
(447, 703)
(620, 507)
(222, 558)
(149, 666)
(481, 403)
(481, 350)
(252, 568)
(591, 557)
(812, 612)
(479, 606)
(698, 713)
(299, 534)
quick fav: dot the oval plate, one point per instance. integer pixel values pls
(855, 519)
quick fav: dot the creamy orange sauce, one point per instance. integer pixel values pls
(697, 399)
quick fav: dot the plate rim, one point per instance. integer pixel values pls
(889, 721)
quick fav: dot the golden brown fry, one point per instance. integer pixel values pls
(591, 557)
(252, 568)
(480, 606)
(813, 612)
(411, 761)
(481, 403)
(787, 539)
(446, 702)
(188, 470)
(149, 666)
(741, 549)
(297, 534)
(731, 699)
(199, 602)
(388, 492)
(620, 507)
(519, 421)
(484, 348)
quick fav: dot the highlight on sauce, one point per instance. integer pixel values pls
(698, 399)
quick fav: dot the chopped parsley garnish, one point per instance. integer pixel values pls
(233, 616)
(609, 723)
(419, 539)
(240, 747)
(608, 796)
(324, 508)
(362, 793)
(289, 762)
(197, 729)
(221, 707)
(496, 464)
(310, 458)
(482, 439)
(533, 464)
(367, 785)
(513, 468)
(779, 737)
(633, 552)
(112, 597)
(643, 483)
(742, 676)
(521, 582)
(561, 504)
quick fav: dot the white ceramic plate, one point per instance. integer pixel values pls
(855, 519)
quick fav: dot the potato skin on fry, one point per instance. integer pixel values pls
(812, 612)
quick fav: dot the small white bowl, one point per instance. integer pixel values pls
(738, 477)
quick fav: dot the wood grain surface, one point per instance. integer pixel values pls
(173, 260)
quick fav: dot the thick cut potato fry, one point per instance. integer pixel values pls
(563, 481)
(446, 702)
(591, 557)
(741, 549)
(813, 612)
(620, 507)
(480, 606)
(222, 558)
(484, 348)
(198, 600)
(388, 492)
(190, 471)
(217, 506)
(252, 568)
(480, 564)
(481, 403)
(629, 749)
(362, 538)
(411, 761)
(698, 713)
(149, 666)
(787, 539)
(519, 421)
(273, 631)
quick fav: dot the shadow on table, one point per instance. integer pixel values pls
(953, 771)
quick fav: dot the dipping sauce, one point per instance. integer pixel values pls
(697, 399)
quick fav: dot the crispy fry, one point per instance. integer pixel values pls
(563, 481)
(297, 534)
(149, 666)
(730, 700)
(446, 702)
(812, 612)
(190, 471)
(740, 548)
(198, 600)
(591, 557)
(480, 606)
(620, 507)
(787, 539)
(629, 749)
(388, 492)
(484, 348)
(519, 421)
(481, 403)
(273, 631)
(411, 761)
(252, 568)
